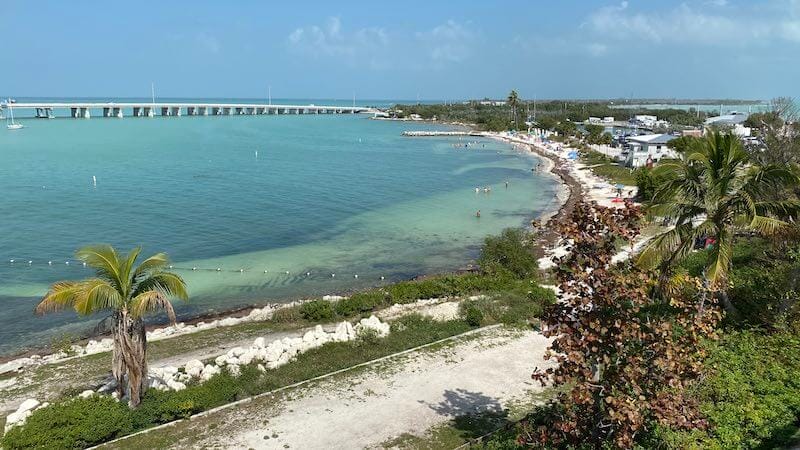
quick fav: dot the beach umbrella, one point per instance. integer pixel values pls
(619, 186)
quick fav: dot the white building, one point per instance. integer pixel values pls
(608, 119)
(649, 146)
(742, 131)
(594, 120)
(645, 120)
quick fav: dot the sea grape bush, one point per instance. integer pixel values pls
(625, 358)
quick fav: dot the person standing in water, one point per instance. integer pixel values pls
(478, 214)
(506, 184)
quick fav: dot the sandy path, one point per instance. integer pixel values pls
(407, 395)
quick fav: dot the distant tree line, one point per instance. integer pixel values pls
(516, 111)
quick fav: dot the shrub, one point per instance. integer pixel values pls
(76, 423)
(473, 315)
(317, 310)
(752, 398)
(509, 253)
(360, 303)
(287, 315)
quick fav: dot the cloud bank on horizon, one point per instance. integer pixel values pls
(692, 48)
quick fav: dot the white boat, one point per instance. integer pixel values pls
(11, 125)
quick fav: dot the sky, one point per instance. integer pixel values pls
(432, 50)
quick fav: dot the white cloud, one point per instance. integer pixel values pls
(365, 46)
(597, 49)
(696, 24)
(449, 42)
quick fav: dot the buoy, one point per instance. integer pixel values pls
(308, 274)
(382, 277)
(218, 269)
(355, 276)
(170, 266)
(194, 268)
(241, 270)
(30, 262)
(11, 261)
(333, 275)
(265, 270)
(287, 272)
(49, 263)
(84, 264)
(66, 262)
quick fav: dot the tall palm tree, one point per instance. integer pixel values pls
(714, 191)
(513, 101)
(129, 293)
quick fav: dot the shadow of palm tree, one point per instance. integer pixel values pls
(473, 413)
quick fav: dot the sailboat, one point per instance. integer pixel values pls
(12, 125)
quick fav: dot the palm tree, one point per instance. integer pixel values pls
(513, 101)
(129, 293)
(714, 191)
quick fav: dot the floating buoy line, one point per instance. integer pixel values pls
(22, 262)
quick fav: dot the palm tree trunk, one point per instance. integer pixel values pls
(130, 353)
(731, 310)
(117, 364)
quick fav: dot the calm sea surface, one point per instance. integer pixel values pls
(322, 195)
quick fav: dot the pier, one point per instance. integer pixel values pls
(441, 133)
(78, 110)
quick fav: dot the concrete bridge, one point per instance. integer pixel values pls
(110, 109)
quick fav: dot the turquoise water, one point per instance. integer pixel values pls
(324, 194)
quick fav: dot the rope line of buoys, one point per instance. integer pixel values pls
(22, 262)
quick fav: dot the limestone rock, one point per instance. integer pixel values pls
(176, 385)
(208, 372)
(86, 394)
(28, 405)
(193, 368)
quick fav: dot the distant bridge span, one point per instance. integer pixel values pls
(85, 110)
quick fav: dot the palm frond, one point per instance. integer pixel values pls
(60, 296)
(152, 301)
(96, 294)
(126, 268)
(168, 283)
(104, 259)
(157, 262)
(720, 256)
(767, 225)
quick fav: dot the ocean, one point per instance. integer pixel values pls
(279, 204)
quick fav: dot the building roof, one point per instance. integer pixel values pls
(651, 138)
(727, 119)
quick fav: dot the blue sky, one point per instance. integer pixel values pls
(399, 50)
